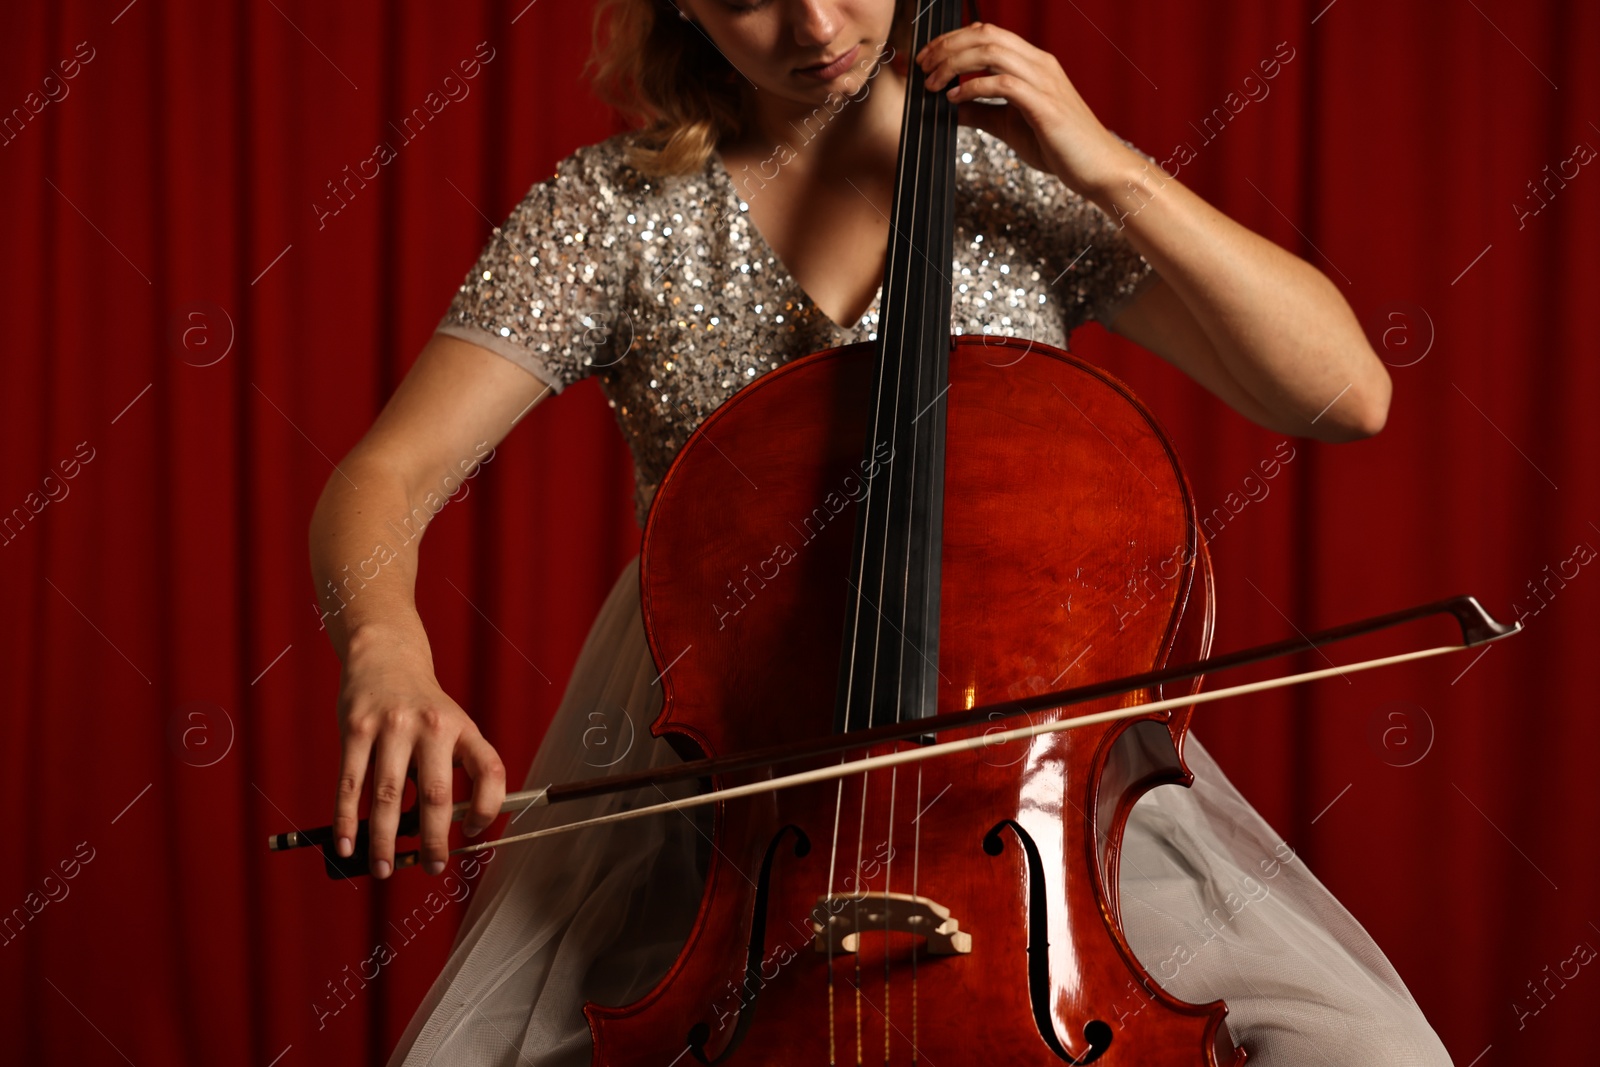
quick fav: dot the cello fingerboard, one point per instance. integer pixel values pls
(888, 670)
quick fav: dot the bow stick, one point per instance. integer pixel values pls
(1477, 628)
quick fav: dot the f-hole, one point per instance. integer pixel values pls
(1096, 1032)
(700, 1032)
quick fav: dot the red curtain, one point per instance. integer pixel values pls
(205, 310)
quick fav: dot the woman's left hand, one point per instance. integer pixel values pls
(1044, 119)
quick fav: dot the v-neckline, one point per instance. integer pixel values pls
(760, 238)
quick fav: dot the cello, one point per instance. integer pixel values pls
(875, 534)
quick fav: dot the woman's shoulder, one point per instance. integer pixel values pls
(606, 169)
(597, 189)
(1096, 270)
(591, 178)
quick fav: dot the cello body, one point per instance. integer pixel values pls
(962, 910)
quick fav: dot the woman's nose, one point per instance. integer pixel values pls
(816, 22)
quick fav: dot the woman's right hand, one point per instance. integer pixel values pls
(391, 706)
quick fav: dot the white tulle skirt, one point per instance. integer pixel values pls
(1215, 904)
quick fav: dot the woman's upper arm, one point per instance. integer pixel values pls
(1107, 279)
(528, 320)
(458, 401)
(548, 286)
(1158, 319)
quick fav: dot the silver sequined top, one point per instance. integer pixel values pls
(666, 291)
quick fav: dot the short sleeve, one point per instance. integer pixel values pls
(542, 293)
(1100, 271)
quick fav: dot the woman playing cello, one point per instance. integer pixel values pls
(742, 226)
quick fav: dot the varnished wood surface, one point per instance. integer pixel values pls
(1070, 554)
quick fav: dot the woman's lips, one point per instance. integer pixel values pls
(832, 70)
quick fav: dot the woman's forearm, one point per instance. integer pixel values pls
(1280, 327)
(364, 556)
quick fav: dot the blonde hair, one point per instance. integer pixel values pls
(663, 73)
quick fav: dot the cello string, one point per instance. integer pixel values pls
(827, 931)
(871, 511)
(913, 147)
(916, 863)
(917, 278)
(912, 138)
(936, 197)
(888, 886)
(967, 744)
(859, 893)
(930, 205)
(871, 501)
(913, 327)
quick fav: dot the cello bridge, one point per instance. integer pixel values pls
(851, 915)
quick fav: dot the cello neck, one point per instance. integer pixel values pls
(888, 664)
